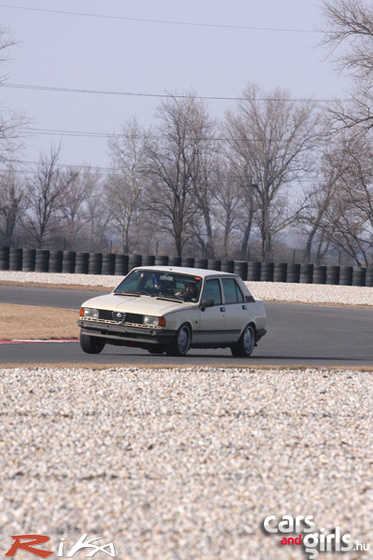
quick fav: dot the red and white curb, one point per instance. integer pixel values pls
(36, 341)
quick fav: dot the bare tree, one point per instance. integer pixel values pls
(97, 231)
(43, 196)
(125, 185)
(73, 212)
(11, 142)
(319, 203)
(351, 226)
(174, 158)
(240, 193)
(6, 42)
(11, 122)
(10, 205)
(339, 211)
(349, 25)
(229, 209)
(272, 138)
(348, 38)
(205, 161)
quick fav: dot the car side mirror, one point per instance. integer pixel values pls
(207, 303)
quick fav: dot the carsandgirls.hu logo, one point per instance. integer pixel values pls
(31, 543)
(307, 535)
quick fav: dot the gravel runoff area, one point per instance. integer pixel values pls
(307, 293)
(186, 463)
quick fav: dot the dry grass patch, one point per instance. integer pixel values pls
(61, 286)
(32, 322)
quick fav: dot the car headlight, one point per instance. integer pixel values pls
(89, 312)
(154, 321)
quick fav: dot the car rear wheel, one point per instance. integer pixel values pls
(246, 343)
(91, 344)
(181, 343)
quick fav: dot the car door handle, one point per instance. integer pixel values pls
(222, 309)
(244, 307)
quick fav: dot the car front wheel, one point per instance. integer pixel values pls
(91, 344)
(246, 343)
(181, 343)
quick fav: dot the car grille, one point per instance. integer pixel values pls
(135, 318)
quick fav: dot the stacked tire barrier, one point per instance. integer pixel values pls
(345, 275)
(81, 263)
(42, 260)
(136, 260)
(306, 274)
(55, 261)
(108, 264)
(188, 262)
(213, 264)
(293, 273)
(227, 266)
(358, 276)
(253, 271)
(332, 274)
(266, 272)
(369, 277)
(68, 261)
(15, 259)
(319, 274)
(279, 272)
(240, 268)
(121, 265)
(200, 263)
(95, 263)
(28, 260)
(150, 261)
(4, 258)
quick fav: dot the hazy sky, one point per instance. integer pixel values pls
(130, 52)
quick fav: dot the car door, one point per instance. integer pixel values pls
(212, 319)
(235, 309)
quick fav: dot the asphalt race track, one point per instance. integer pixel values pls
(298, 334)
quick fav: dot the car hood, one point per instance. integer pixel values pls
(144, 305)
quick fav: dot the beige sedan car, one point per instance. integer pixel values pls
(172, 309)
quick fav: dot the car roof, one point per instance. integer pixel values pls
(204, 273)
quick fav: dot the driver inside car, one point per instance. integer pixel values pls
(189, 293)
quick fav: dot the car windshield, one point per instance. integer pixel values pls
(163, 284)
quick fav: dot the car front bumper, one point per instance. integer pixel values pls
(127, 335)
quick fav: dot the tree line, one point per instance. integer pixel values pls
(274, 172)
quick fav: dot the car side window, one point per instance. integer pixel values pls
(212, 291)
(232, 292)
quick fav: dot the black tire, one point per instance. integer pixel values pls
(181, 343)
(227, 266)
(156, 349)
(245, 345)
(253, 271)
(91, 344)
(161, 260)
(266, 272)
(188, 262)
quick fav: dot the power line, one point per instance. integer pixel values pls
(20, 162)
(105, 170)
(160, 21)
(87, 91)
(160, 95)
(107, 135)
(58, 132)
